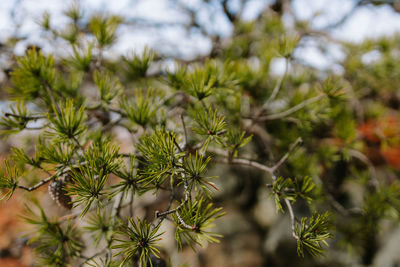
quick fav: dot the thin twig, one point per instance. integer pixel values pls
(77, 143)
(232, 18)
(99, 58)
(177, 145)
(287, 190)
(366, 161)
(251, 163)
(285, 157)
(262, 167)
(120, 112)
(245, 162)
(274, 93)
(171, 200)
(339, 207)
(76, 214)
(182, 221)
(163, 215)
(91, 257)
(184, 130)
(34, 128)
(131, 204)
(27, 118)
(36, 186)
(50, 93)
(168, 211)
(291, 110)
(117, 205)
(277, 87)
(292, 218)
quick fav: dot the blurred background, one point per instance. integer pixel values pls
(349, 38)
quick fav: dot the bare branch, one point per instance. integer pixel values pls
(168, 211)
(291, 110)
(271, 97)
(42, 182)
(182, 221)
(184, 129)
(285, 157)
(277, 87)
(50, 93)
(360, 156)
(246, 162)
(27, 118)
(292, 218)
(229, 15)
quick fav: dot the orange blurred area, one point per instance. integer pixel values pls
(11, 225)
(9, 220)
(382, 140)
(392, 156)
(377, 130)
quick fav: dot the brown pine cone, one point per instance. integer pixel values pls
(58, 193)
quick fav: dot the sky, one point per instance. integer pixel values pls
(367, 22)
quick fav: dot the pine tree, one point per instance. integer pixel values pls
(302, 133)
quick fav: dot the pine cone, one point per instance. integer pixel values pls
(59, 194)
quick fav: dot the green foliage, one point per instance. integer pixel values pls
(104, 29)
(312, 234)
(137, 65)
(100, 226)
(282, 186)
(87, 186)
(109, 87)
(55, 152)
(15, 120)
(128, 136)
(333, 88)
(142, 242)
(175, 79)
(143, 109)
(287, 188)
(20, 156)
(286, 45)
(74, 12)
(161, 157)
(56, 243)
(194, 167)
(45, 21)
(129, 179)
(68, 124)
(8, 180)
(210, 124)
(383, 203)
(194, 221)
(81, 58)
(103, 156)
(303, 188)
(199, 83)
(34, 73)
(234, 140)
